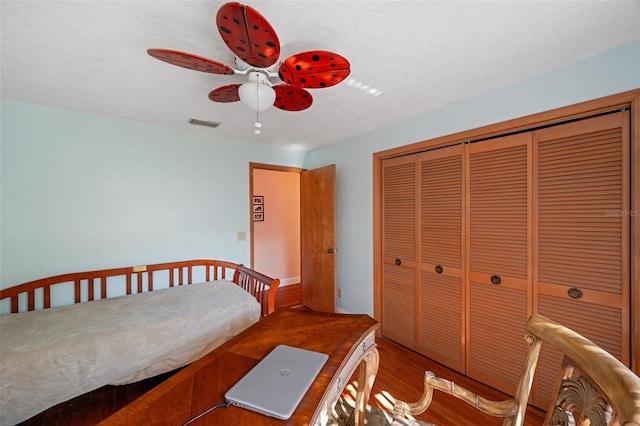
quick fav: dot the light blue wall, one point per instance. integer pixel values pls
(611, 72)
(82, 192)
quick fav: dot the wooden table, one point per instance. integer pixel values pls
(349, 340)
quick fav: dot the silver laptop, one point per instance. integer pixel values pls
(276, 385)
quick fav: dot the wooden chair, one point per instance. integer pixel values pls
(592, 388)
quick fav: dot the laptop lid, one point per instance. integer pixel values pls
(277, 384)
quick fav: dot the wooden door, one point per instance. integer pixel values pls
(318, 238)
(399, 248)
(442, 298)
(499, 253)
(582, 236)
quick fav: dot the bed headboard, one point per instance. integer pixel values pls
(78, 287)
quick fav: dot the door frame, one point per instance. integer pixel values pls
(629, 99)
(252, 167)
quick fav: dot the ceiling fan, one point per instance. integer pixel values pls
(257, 48)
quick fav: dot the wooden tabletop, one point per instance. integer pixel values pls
(204, 383)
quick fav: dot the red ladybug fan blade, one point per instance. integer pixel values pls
(191, 61)
(315, 69)
(225, 94)
(292, 98)
(248, 34)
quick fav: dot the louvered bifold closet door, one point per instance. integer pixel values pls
(582, 229)
(499, 259)
(441, 314)
(399, 236)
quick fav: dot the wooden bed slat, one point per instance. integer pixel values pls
(47, 298)
(77, 290)
(90, 289)
(31, 299)
(103, 288)
(262, 287)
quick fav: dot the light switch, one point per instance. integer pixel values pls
(242, 236)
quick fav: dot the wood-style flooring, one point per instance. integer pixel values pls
(399, 377)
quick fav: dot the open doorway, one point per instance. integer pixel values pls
(275, 221)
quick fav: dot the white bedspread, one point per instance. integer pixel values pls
(50, 356)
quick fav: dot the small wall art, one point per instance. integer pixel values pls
(258, 208)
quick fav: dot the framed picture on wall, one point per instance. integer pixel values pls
(258, 208)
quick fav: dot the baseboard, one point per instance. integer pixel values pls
(289, 281)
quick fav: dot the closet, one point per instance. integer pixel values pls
(478, 235)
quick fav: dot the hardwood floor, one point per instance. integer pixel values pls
(399, 377)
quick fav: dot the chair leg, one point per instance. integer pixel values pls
(402, 408)
(366, 377)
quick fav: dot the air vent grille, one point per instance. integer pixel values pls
(205, 123)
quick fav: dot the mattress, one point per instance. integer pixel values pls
(53, 355)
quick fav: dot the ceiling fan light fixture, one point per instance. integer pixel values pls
(257, 94)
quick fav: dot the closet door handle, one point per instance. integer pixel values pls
(439, 269)
(495, 279)
(398, 262)
(575, 293)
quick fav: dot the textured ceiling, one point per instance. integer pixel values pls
(419, 55)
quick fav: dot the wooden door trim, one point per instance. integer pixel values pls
(262, 166)
(584, 109)
(635, 235)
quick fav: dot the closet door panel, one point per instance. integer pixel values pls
(441, 326)
(600, 323)
(398, 308)
(499, 248)
(581, 199)
(441, 207)
(441, 336)
(399, 208)
(498, 206)
(497, 349)
(582, 234)
(399, 247)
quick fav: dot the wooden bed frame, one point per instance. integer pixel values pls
(95, 285)
(111, 341)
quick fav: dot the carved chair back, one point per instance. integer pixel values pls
(592, 387)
